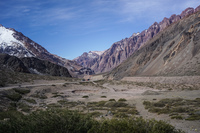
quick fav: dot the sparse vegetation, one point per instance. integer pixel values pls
(14, 96)
(61, 98)
(112, 100)
(175, 107)
(179, 117)
(40, 96)
(54, 105)
(10, 77)
(24, 107)
(29, 100)
(122, 100)
(59, 120)
(22, 90)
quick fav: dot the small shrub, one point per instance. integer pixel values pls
(159, 104)
(116, 104)
(121, 115)
(10, 114)
(57, 95)
(14, 96)
(40, 96)
(22, 90)
(31, 101)
(179, 117)
(85, 97)
(180, 110)
(103, 97)
(112, 100)
(123, 109)
(122, 100)
(193, 117)
(64, 85)
(95, 114)
(54, 105)
(24, 107)
(147, 104)
(133, 111)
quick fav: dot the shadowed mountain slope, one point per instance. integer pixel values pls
(32, 65)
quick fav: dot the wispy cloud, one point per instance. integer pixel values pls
(40, 13)
(89, 14)
(131, 10)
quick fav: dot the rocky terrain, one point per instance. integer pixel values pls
(16, 44)
(32, 65)
(173, 52)
(123, 49)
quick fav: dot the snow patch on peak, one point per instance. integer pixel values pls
(10, 45)
(6, 36)
(97, 52)
(135, 34)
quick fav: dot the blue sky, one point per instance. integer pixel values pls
(70, 27)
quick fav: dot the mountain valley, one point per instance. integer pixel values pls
(149, 82)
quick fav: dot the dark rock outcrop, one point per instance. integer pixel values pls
(44, 67)
(32, 65)
(13, 63)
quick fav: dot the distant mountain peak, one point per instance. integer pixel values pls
(14, 43)
(87, 59)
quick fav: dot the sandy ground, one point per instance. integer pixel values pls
(134, 94)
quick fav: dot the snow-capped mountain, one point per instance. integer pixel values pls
(88, 59)
(16, 44)
(10, 45)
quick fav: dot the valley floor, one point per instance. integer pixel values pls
(99, 97)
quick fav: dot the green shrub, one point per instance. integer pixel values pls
(11, 114)
(96, 104)
(30, 101)
(40, 96)
(50, 121)
(122, 100)
(116, 104)
(103, 97)
(159, 104)
(179, 117)
(147, 104)
(14, 96)
(22, 90)
(95, 114)
(193, 117)
(85, 97)
(112, 100)
(24, 107)
(66, 121)
(137, 125)
(54, 105)
(120, 115)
